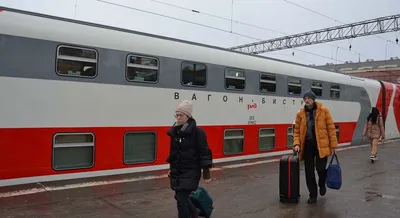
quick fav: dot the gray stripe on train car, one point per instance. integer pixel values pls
(20, 59)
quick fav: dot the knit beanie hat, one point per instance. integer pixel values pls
(185, 107)
(310, 94)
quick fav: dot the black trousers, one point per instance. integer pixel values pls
(184, 204)
(312, 161)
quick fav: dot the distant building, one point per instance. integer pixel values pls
(385, 70)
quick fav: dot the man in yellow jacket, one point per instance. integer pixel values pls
(314, 138)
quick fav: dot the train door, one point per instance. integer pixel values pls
(384, 100)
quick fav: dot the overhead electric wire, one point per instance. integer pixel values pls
(215, 16)
(203, 25)
(174, 18)
(312, 11)
(248, 24)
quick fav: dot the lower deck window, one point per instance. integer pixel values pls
(233, 141)
(73, 151)
(289, 137)
(266, 139)
(139, 147)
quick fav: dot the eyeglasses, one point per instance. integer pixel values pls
(179, 115)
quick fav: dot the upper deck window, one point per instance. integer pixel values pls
(194, 74)
(267, 83)
(142, 69)
(235, 79)
(75, 61)
(335, 91)
(294, 86)
(316, 87)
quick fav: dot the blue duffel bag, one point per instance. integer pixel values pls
(334, 174)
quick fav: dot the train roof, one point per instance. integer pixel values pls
(36, 25)
(141, 33)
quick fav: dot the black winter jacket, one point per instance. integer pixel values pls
(189, 153)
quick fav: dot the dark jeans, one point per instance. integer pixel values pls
(185, 206)
(312, 161)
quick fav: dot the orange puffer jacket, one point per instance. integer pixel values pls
(324, 130)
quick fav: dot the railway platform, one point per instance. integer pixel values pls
(245, 190)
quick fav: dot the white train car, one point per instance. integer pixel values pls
(83, 100)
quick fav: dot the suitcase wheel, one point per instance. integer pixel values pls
(284, 200)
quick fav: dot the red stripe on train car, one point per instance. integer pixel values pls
(27, 152)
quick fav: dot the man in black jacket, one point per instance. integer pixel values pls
(189, 153)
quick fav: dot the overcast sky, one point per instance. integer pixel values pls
(280, 16)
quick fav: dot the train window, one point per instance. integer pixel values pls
(266, 139)
(73, 151)
(335, 91)
(139, 147)
(142, 69)
(364, 94)
(289, 138)
(294, 86)
(233, 141)
(316, 87)
(235, 79)
(267, 83)
(77, 62)
(194, 74)
(337, 132)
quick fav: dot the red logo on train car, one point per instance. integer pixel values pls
(249, 106)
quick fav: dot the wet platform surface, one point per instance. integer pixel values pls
(368, 191)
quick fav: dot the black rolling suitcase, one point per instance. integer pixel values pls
(289, 179)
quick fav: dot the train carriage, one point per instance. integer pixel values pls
(83, 100)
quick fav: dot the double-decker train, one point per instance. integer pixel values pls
(82, 100)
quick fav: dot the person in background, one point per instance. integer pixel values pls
(374, 130)
(189, 154)
(314, 137)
